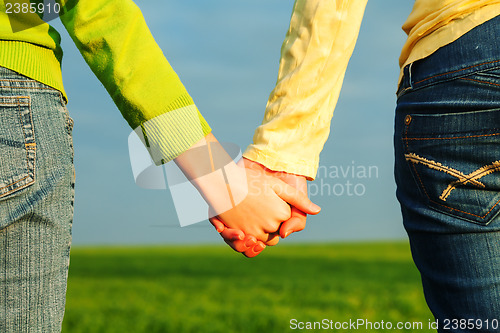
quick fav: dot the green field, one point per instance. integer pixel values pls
(211, 289)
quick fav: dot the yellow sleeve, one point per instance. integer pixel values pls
(314, 58)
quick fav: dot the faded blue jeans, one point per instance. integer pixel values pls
(36, 204)
(447, 149)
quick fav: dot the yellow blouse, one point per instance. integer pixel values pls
(314, 58)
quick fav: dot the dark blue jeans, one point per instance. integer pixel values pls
(447, 169)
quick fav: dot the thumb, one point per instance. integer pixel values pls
(294, 197)
(295, 223)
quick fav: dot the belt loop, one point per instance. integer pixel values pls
(406, 82)
(410, 79)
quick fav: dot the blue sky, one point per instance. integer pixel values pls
(226, 53)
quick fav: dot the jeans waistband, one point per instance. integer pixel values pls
(478, 50)
(10, 80)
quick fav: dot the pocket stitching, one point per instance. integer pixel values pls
(451, 137)
(457, 71)
(413, 165)
(479, 81)
(27, 145)
(422, 186)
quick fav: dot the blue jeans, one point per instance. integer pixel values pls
(36, 204)
(447, 169)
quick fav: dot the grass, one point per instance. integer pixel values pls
(209, 289)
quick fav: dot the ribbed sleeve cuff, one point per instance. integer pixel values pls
(170, 134)
(278, 161)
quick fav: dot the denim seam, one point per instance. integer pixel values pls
(458, 70)
(28, 145)
(429, 84)
(413, 165)
(461, 211)
(454, 137)
(479, 81)
(31, 145)
(9, 80)
(39, 88)
(403, 91)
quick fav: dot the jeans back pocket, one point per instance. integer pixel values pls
(455, 161)
(17, 145)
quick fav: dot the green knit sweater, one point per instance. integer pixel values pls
(117, 45)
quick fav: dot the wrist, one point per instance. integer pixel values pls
(224, 188)
(220, 181)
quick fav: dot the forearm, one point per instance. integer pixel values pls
(314, 58)
(220, 181)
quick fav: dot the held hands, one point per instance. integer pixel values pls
(244, 235)
(297, 220)
(254, 205)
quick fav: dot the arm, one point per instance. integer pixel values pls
(314, 58)
(116, 43)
